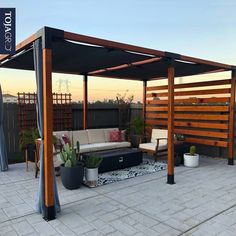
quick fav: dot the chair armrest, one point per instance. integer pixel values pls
(157, 146)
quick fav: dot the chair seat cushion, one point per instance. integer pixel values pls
(152, 146)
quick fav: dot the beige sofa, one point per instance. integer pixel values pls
(92, 140)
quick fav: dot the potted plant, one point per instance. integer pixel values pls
(92, 163)
(179, 137)
(136, 131)
(191, 159)
(27, 141)
(72, 171)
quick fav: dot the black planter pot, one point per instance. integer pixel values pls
(72, 177)
(135, 140)
(30, 152)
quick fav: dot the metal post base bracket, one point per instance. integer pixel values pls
(230, 162)
(170, 179)
(49, 213)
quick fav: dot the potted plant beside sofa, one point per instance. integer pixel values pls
(72, 171)
(136, 131)
(92, 163)
(191, 159)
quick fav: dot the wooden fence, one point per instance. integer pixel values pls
(202, 111)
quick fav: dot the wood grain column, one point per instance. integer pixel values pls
(144, 105)
(171, 75)
(85, 103)
(48, 129)
(231, 118)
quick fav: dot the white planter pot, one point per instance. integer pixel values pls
(91, 176)
(191, 160)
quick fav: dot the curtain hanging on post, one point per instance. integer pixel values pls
(3, 149)
(37, 45)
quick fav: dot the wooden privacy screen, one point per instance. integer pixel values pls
(62, 111)
(201, 111)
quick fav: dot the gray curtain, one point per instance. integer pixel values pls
(3, 149)
(38, 60)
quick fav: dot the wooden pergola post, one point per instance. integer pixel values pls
(85, 102)
(171, 75)
(48, 129)
(232, 117)
(144, 105)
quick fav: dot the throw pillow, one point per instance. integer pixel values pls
(115, 136)
(65, 139)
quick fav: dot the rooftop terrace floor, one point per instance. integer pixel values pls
(202, 202)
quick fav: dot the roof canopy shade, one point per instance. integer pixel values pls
(108, 59)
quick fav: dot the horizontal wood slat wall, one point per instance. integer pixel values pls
(202, 118)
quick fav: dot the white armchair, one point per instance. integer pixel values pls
(158, 142)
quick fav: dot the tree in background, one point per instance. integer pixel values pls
(124, 103)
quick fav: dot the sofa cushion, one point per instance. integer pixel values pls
(152, 146)
(123, 144)
(158, 133)
(103, 146)
(93, 147)
(96, 135)
(85, 148)
(81, 136)
(107, 133)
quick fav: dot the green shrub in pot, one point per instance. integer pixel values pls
(27, 139)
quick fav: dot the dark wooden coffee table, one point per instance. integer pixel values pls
(117, 158)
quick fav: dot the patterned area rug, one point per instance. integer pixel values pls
(147, 167)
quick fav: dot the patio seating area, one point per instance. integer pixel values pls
(202, 203)
(147, 202)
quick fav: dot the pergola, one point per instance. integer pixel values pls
(66, 52)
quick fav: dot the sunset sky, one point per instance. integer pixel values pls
(204, 29)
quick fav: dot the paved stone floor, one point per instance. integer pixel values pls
(202, 202)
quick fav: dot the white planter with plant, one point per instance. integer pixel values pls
(91, 172)
(191, 159)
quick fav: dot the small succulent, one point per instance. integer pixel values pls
(192, 150)
(179, 137)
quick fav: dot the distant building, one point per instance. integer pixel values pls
(8, 98)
